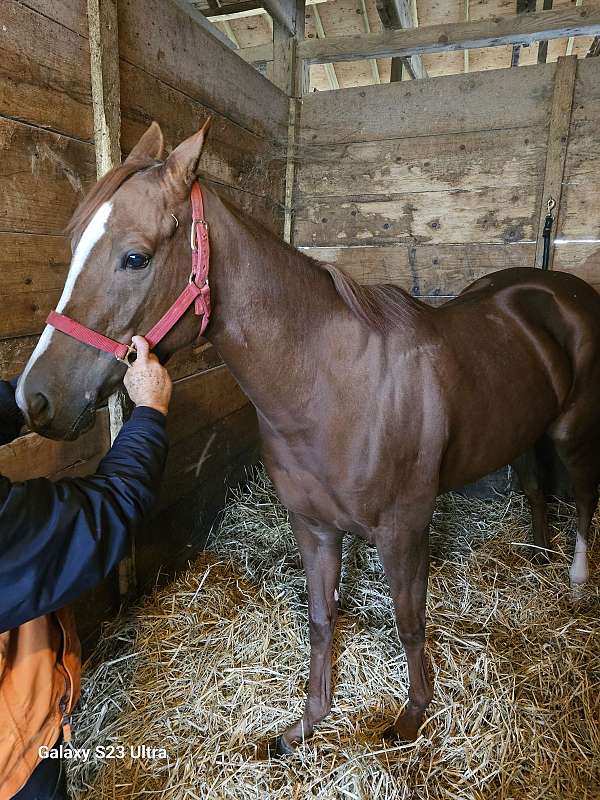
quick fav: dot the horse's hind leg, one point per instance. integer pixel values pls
(321, 549)
(583, 465)
(404, 553)
(527, 467)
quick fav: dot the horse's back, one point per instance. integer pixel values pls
(531, 280)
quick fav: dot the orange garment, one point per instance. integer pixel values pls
(40, 668)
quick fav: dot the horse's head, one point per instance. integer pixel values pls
(131, 259)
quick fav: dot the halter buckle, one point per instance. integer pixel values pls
(131, 351)
(195, 223)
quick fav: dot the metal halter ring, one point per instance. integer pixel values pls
(131, 351)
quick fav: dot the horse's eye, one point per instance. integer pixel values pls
(135, 261)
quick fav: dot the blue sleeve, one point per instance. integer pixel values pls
(11, 419)
(58, 540)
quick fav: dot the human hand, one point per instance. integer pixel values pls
(147, 381)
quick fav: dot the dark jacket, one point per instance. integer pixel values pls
(59, 539)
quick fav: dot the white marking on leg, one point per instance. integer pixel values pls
(579, 572)
(90, 237)
(336, 595)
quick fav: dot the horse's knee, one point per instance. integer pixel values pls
(321, 629)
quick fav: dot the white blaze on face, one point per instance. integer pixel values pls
(90, 237)
(579, 572)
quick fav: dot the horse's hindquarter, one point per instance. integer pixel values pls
(514, 341)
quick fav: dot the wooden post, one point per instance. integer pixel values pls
(106, 99)
(289, 73)
(556, 149)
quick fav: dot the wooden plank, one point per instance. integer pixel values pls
(44, 78)
(199, 403)
(180, 530)
(425, 270)
(523, 7)
(30, 263)
(201, 400)
(233, 155)
(579, 218)
(262, 209)
(453, 104)
(558, 140)
(25, 312)
(42, 178)
(14, 354)
(491, 215)
(581, 259)
(71, 14)
(32, 456)
(106, 92)
(193, 359)
(249, 8)
(495, 32)
(159, 38)
(257, 54)
(473, 160)
(199, 19)
(401, 14)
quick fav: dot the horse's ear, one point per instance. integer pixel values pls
(149, 146)
(182, 165)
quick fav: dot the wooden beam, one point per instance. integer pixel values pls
(106, 101)
(200, 19)
(466, 64)
(329, 68)
(496, 32)
(289, 74)
(523, 7)
(543, 46)
(244, 9)
(285, 12)
(556, 150)
(106, 89)
(396, 14)
(259, 54)
(367, 29)
(571, 41)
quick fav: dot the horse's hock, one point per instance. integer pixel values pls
(430, 184)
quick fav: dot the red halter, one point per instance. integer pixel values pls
(197, 291)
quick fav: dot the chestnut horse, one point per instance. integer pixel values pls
(370, 403)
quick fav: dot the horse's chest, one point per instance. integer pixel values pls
(322, 485)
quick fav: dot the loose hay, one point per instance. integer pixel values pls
(216, 663)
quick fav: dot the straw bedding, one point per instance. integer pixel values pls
(214, 664)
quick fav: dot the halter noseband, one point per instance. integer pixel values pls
(197, 291)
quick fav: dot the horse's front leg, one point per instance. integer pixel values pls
(321, 549)
(404, 552)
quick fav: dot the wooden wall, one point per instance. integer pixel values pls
(171, 70)
(431, 184)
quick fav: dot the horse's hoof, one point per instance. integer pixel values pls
(540, 558)
(400, 733)
(278, 747)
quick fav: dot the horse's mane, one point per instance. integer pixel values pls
(104, 189)
(382, 306)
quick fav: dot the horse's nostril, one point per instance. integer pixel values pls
(38, 404)
(39, 411)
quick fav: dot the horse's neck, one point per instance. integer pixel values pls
(270, 305)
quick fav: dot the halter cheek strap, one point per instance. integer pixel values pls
(196, 292)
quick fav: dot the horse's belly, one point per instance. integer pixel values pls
(490, 435)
